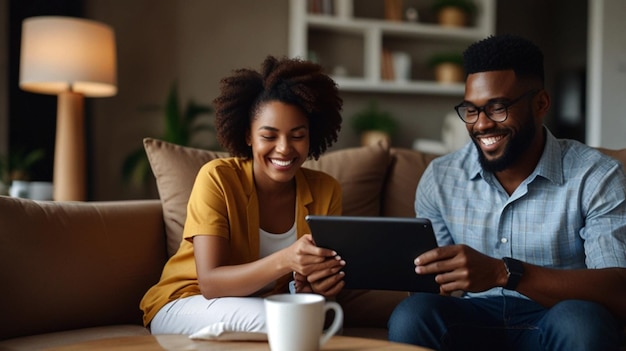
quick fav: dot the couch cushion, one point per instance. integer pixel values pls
(405, 171)
(360, 171)
(175, 168)
(68, 265)
(619, 155)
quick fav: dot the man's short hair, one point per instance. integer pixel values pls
(504, 52)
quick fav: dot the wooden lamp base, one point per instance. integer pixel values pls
(69, 176)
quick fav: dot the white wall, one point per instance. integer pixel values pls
(606, 122)
(194, 42)
(197, 42)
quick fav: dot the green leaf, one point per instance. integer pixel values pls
(466, 6)
(372, 118)
(136, 167)
(172, 116)
(180, 128)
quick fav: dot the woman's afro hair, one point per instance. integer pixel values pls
(504, 52)
(292, 81)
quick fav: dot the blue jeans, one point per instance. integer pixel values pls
(503, 323)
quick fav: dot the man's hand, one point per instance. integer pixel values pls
(459, 267)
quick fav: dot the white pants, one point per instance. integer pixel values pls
(190, 314)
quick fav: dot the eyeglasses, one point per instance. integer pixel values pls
(496, 111)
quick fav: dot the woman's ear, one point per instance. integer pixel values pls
(248, 138)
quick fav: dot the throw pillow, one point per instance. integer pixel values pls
(175, 168)
(405, 171)
(360, 171)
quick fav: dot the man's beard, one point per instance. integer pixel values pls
(515, 148)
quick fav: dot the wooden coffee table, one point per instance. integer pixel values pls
(182, 342)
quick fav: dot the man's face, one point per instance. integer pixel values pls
(501, 144)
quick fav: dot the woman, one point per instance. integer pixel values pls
(245, 236)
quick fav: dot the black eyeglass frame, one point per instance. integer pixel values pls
(489, 106)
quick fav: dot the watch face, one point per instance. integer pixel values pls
(515, 270)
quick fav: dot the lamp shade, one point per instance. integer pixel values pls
(61, 54)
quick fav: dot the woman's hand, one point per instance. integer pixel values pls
(302, 285)
(315, 269)
(328, 282)
(305, 258)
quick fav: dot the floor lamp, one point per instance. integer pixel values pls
(71, 58)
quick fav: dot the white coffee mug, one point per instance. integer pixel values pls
(296, 321)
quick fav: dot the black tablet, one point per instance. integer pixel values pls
(379, 251)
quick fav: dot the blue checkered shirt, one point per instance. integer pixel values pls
(569, 213)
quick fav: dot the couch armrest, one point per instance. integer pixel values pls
(68, 265)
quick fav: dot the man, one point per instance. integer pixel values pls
(532, 229)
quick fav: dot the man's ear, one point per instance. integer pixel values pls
(542, 102)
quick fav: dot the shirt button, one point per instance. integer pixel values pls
(504, 240)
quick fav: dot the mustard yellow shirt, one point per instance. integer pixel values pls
(224, 202)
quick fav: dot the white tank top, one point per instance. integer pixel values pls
(270, 242)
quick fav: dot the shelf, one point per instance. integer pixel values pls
(411, 87)
(418, 30)
(363, 52)
(355, 44)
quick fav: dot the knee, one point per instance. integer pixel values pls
(415, 321)
(581, 323)
(573, 315)
(410, 311)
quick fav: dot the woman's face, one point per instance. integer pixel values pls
(279, 137)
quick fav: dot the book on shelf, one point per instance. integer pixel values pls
(320, 7)
(386, 68)
(393, 10)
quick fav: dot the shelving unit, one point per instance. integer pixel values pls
(355, 43)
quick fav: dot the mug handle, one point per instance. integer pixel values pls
(337, 321)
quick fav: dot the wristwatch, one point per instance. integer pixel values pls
(514, 270)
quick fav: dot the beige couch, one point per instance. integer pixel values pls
(72, 272)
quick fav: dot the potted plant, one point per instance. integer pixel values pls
(374, 125)
(17, 167)
(454, 13)
(180, 127)
(448, 67)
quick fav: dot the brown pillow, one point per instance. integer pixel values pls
(361, 172)
(175, 168)
(619, 155)
(405, 171)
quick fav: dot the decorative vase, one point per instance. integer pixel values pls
(20, 188)
(447, 72)
(373, 137)
(451, 16)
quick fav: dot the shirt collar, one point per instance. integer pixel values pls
(550, 164)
